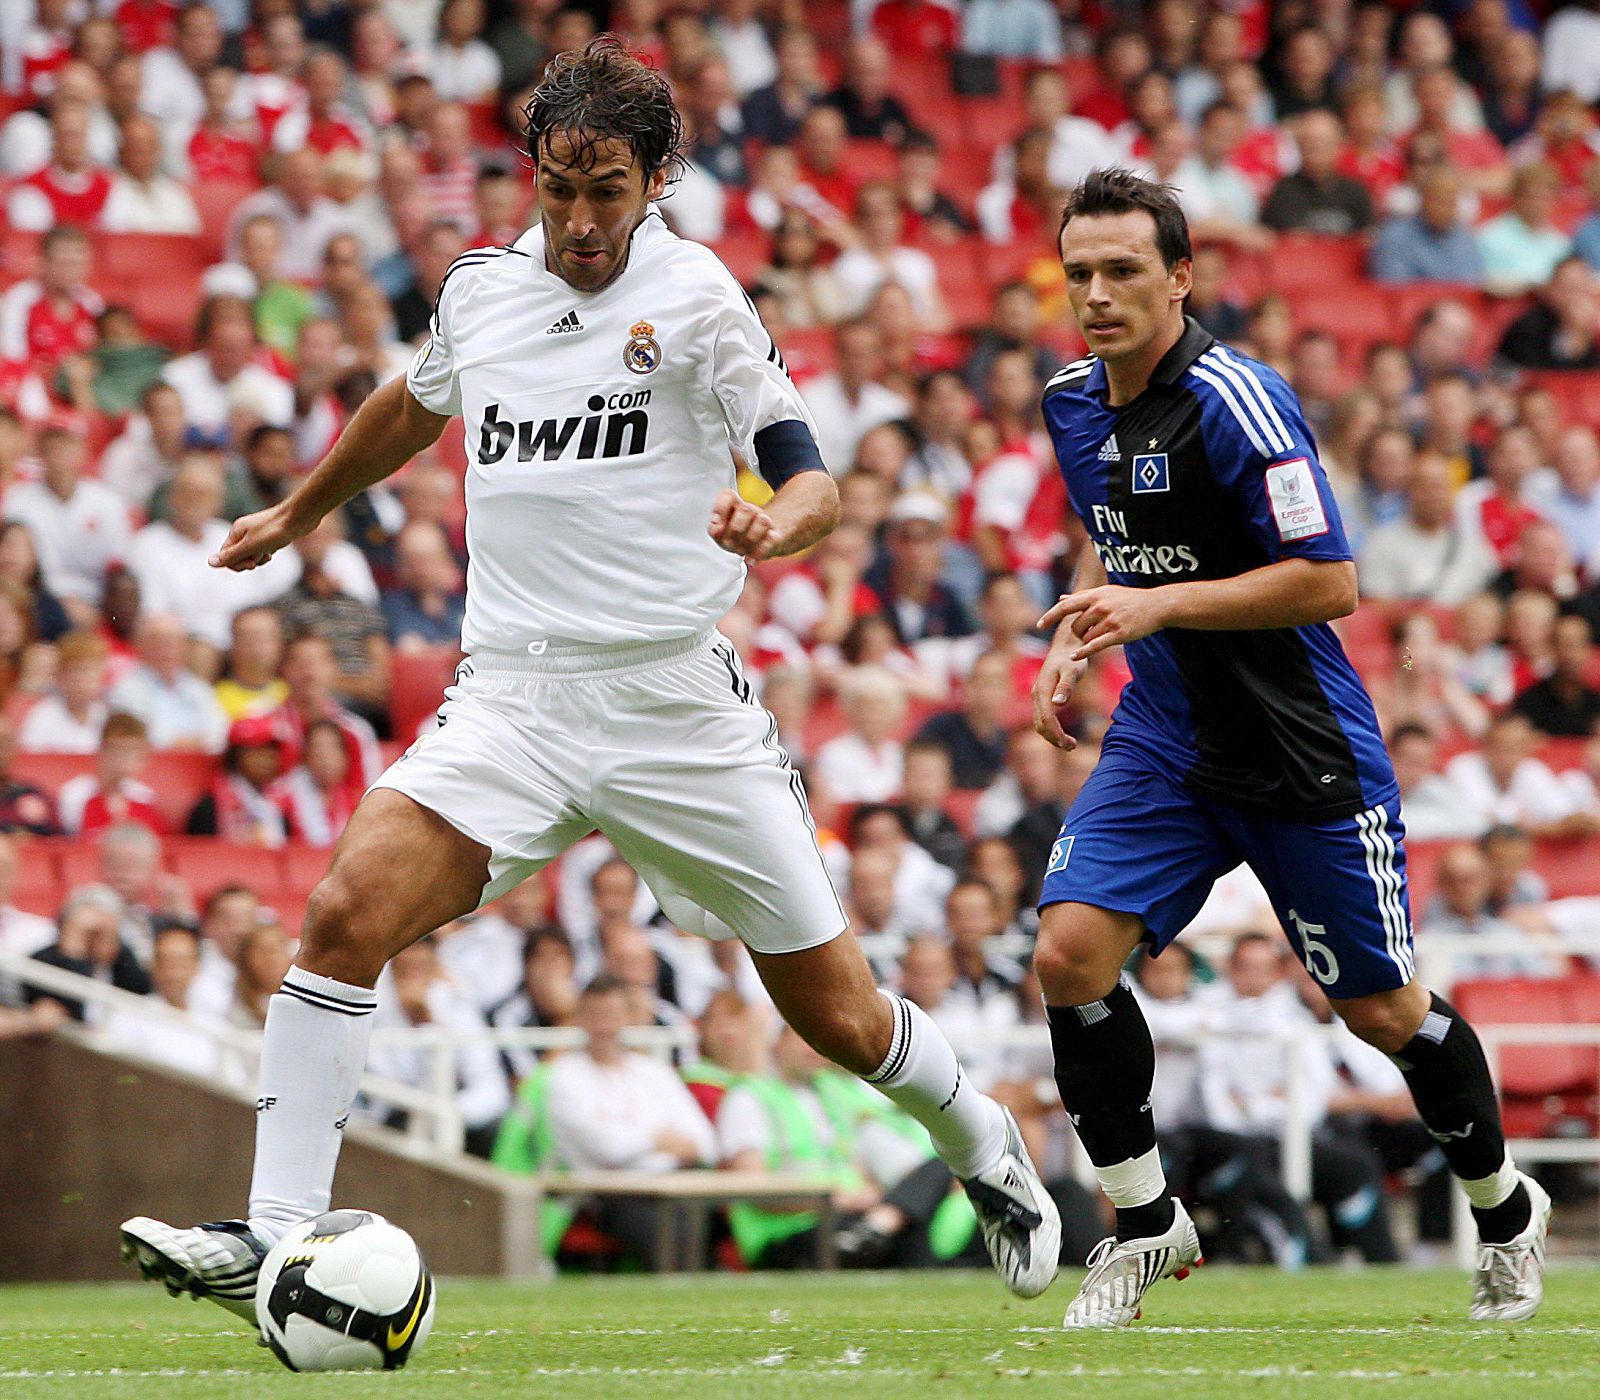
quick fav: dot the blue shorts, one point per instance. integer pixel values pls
(1138, 842)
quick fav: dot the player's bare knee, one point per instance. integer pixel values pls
(1074, 968)
(1386, 1021)
(844, 1035)
(338, 939)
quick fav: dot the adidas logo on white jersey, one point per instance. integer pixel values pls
(565, 325)
(1109, 451)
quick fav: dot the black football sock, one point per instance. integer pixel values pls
(1105, 1067)
(1445, 1069)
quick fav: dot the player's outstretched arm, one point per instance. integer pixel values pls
(389, 429)
(1290, 593)
(804, 509)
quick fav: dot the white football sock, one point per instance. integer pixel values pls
(920, 1074)
(312, 1053)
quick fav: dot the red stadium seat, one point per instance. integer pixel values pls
(1578, 393)
(416, 690)
(1358, 314)
(1422, 873)
(216, 201)
(303, 866)
(1538, 1083)
(1315, 262)
(1569, 867)
(870, 160)
(745, 252)
(808, 351)
(1562, 753)
(37, 886)
(50, 770)
(80, 862)
(179, 780)
(206, 864)
(962, 808)
(1368, 639)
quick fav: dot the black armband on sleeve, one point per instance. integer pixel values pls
(784, 450)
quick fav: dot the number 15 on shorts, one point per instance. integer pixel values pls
(1319, 959)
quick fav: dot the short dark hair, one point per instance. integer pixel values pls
(603, 92)
(1120, 191)
(605, 984)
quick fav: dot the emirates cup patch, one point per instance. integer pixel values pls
(1297, 508)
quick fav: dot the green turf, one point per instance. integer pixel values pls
(1227, 1332)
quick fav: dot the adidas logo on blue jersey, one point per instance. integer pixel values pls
(565, 325)
(1109, 451)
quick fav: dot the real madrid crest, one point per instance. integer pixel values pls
(641, 354)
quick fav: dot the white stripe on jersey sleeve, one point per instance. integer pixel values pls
(1259, 390)
(1276, 442)
(1226, 395)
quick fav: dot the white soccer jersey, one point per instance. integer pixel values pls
(598, 433)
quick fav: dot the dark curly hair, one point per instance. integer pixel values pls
(603, 92)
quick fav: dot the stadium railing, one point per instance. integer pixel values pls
(434, 1126)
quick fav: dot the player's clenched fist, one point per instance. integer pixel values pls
(254, 539)
(741, 528)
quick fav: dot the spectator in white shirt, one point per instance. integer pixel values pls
(297, 201)
(866, 762)
(225, 923)
(224, 373)
(1504, 784)
(849, 401)
(740, 35)
(179, 710)
(613, 1109)
(79, 528)
(160, 1039)
(1427, 555)
(142, 199)
(1244, 1083)
(69, 718)
(149, 449)
(171, 90)
(921, 884)
(881, 257)
(462, 66)
(1433, 806)
(485, 953)
(1460, 911)
(415, 990)
(171, 558)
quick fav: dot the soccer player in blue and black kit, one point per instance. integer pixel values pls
(1217, 559)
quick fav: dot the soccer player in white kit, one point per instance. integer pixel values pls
(605, 368)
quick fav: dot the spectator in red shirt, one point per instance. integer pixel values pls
(322, 121)
(147, 24)
(1369, 155)
(1495, 506)
(1121, 56)
(451, 173)
(311, 671)
(71, 189)
(1475, 153)
(821, 146)
(501, 204)
(43, 321)
(222, 148)
(916, 27)
(113, 793)
(46, 46)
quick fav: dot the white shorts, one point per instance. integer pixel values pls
(662, 747)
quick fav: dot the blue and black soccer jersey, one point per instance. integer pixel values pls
(1209, 473)
(1261, 746)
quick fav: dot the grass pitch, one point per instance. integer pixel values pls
(1230, 1332)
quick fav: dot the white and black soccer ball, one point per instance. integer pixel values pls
(346, 1291)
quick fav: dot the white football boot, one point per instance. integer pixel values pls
(1120, 1271)
(219, 1261)
(1509, 1283)
(1020, 1223)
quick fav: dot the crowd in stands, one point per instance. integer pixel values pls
(225, 223)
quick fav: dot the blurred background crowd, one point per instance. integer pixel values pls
(225, 223)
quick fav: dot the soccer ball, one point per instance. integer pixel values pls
(346, 1291)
